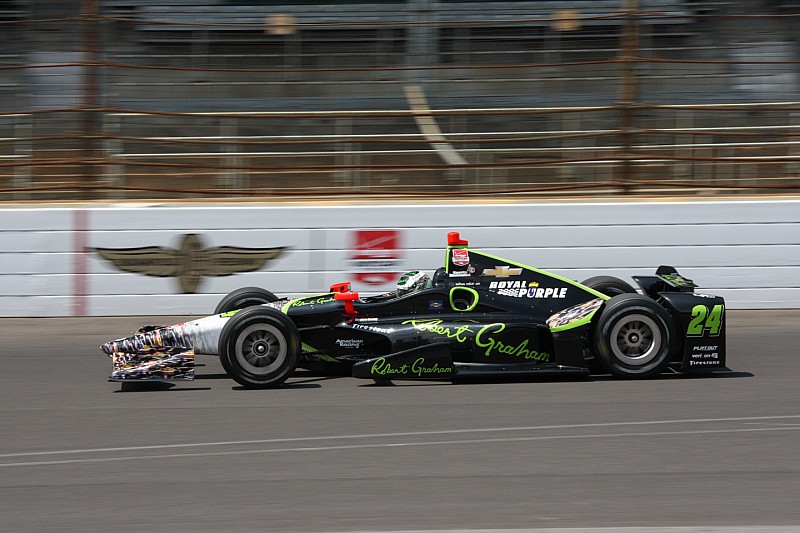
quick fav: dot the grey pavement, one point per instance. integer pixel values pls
(671, 454)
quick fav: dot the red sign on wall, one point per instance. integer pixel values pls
(376, 256)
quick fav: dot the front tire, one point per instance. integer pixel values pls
(243, 298)
(609, 285)
(634, 337)
(259, 347)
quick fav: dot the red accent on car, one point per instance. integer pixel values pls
(348, 298)
(454, 239)
(340, 287)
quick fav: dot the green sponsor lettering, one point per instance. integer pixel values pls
(492, 345)
(483, 338)
(419, 368)
(434, 326)
(381, 367)
(313, 301)
(704, 318)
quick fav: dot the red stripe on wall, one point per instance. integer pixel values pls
(79, 238)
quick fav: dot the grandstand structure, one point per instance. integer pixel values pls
(121, 99)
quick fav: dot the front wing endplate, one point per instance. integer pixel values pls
(153, 363)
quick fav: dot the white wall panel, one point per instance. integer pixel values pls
(289, 261)
(301, 282)
(36, 306)
(252, 238)
(748, 251)
(22, 219)
(37, 263)
(36, 241)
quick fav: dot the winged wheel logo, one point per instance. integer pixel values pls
(191, 262)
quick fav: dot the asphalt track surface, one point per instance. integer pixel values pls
(677, 453)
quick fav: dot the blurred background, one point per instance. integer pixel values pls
(123, 99)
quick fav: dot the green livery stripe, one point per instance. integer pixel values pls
(290, 303)
(447, 259)
(471, 291)
(324, 357)
(545, 273)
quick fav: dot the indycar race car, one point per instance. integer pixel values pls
(479, 315)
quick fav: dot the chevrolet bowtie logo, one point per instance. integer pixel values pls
(502, 271)
(191, 262)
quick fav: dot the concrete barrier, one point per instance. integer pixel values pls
(123, 260)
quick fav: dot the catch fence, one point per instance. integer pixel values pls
(222, 99)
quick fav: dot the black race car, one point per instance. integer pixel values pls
(479, 315)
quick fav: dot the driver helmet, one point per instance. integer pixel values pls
(413, 281)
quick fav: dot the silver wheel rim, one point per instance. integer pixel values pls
(635, 340)
(261, 349)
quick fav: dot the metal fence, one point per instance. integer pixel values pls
(216, 98)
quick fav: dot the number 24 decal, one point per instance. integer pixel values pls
(703, 318)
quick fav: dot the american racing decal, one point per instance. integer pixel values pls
(350, 343)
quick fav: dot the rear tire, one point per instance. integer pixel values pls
(259, 347)
(609, 285)
(634, 337)
(243, 298)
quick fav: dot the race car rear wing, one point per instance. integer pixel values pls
(667, 279)
(699, 318)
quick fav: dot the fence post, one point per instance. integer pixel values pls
(229, 129)
(89, 111)
(23, 148)
(112, 149)
(627, 95)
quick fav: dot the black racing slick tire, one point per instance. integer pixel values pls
(259, 347)
(634, 336)
(609, 285)
(244, 297)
